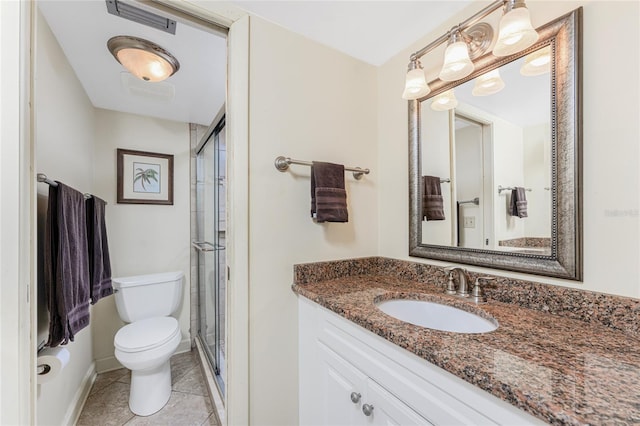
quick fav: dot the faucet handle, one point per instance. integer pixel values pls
(477, 293)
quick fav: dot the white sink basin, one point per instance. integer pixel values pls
(436, 316)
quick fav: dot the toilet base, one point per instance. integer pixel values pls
(150, 389)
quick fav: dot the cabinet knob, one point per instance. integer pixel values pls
(355, 397)
(367, 409)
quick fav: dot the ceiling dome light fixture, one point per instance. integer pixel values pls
(142, 58)
(516, 32)
(457, 63)
(488, 84)
(537, 63)
(444, 101)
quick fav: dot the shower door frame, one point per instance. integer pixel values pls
(213, 357)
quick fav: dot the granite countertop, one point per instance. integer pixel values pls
(561, 370)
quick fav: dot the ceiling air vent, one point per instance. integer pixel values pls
(132, 13)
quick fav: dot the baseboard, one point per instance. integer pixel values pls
(110, 363)
(77, 403)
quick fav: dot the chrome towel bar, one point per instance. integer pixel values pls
(282, 163)
(510, 188)
(42, 178)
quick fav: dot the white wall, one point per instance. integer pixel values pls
(469, 183)
(64, 134)
(307, 102)
(143, 238)
(610, 148)
(537, 173)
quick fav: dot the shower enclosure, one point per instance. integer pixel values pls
(210, 246)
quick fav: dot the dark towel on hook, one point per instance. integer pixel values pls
(99, 263)
(518, 205)
(432, 201)
(66, 267)
(328, 196)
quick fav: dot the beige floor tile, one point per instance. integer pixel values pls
(192, 382)
(105, 379)
(182, 363)
(182, 409)
(107, 407)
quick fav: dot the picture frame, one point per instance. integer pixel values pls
(144, 177)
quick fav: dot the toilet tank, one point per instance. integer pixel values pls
(146, 296)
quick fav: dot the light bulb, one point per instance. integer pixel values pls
(444, 101)
(488, 84)
(415, 85)
(516, 32)
(536, 63)
(457, 63)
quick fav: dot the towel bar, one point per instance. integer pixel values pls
(42, 178)
(510, 188)
(282, 164)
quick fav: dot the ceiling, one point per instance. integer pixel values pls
(194, 94)
(372, 31)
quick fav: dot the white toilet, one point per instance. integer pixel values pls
(145, 345)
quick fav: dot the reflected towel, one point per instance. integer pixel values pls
(518, 205)
(432, 201)
(99, 263)
(328, 196)
(66, 265)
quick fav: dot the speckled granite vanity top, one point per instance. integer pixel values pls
(580, 365)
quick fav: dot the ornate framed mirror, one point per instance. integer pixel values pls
(529, 138)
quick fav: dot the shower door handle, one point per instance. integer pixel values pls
(204, 246)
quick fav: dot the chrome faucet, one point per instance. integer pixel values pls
(463, 289)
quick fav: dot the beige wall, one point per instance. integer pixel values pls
(611, 151)
(64, 131)
(143, 239)
(307, 102)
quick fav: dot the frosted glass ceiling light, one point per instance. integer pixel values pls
(415, 85)
(457, 63)
(488, 84)
(536, 63)
(142, 58)
(444, 101)
(516, 32)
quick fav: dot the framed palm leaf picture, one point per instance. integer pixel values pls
(144, 177)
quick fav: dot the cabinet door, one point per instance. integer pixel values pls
(389, 410)
(339, 381)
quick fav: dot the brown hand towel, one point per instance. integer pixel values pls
(328, 196)
(432, 201)
(99, 263)
(518, 205)
(66, 264)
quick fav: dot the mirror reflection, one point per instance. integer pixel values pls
(487, 146)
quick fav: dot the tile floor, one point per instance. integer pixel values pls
(108, 401)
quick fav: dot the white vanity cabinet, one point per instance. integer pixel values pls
(350, 376)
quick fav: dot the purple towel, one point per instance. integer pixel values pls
(66, 266)
(328, 196)
(518, 205)
(432, 201)
(99, 263)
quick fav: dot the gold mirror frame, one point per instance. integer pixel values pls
(564, 35)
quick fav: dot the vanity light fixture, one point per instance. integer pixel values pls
(142, 58)
(537, 63)
(444, 101)
(515, 30)
(457, 63)
(469, 40)
(415, 85)
(488, 84)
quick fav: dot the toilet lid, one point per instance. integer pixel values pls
(146, 334)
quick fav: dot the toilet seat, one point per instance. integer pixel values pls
(146, 334)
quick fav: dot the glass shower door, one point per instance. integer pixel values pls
(211, 224)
